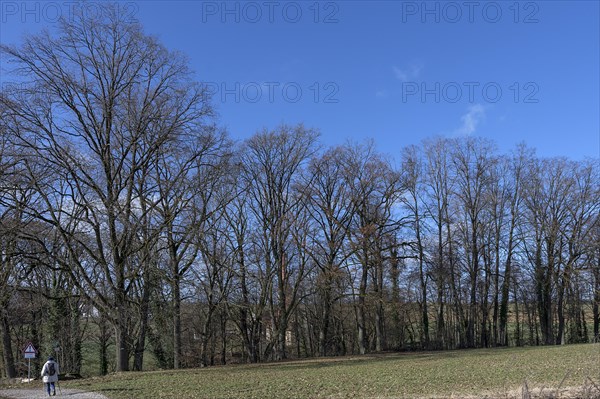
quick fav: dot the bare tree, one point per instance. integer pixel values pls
(545, 199)
(513, 185)
(440, 181)
(8, 161)
(214, 272)
(187, 179)
(412, 181)
(272, 165)
(582, 207)
(246, 305)
(108, 101)
(331, 208)
(375, 190)
(472, 162)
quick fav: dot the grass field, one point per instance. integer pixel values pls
(497, 373)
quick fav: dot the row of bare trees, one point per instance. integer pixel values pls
(132, 224)
(495, 225)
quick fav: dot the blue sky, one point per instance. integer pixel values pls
(394, 71)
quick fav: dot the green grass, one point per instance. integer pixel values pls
(455, 373)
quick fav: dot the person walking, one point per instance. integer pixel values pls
(50, 375)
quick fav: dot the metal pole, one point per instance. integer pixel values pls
(29, 370)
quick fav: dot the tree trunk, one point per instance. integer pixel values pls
(484, 333)
(250, 335)
(75, 349)
(223, 318)
(379, 309)
(440, 275)
(496, 311)
(424, 307)
(325, 319)
(176, 320)
(473, 275)
(379, 328)
(422, 276)
(206, 336)
(503, 327)
(283, 304)
(397, 319)
(596, 304)
(441, 327)
(140, 347)
(458, 309)
(281, 339)
(560, 311)
(9, 361)
(518, 340)
(122, 340)
(103, 338)
(362, 317)
(544, 293)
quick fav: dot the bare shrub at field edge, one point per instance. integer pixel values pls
(589, 390)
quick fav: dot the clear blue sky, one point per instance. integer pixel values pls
(395, 71)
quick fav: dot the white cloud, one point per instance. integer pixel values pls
(475, 114)
(412, 72)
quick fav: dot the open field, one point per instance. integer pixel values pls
(497, 373)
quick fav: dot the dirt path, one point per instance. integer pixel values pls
(42, 394)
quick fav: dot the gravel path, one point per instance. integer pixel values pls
(42, 394)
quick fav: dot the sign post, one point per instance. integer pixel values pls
(29, 354)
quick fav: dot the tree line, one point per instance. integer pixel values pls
(130, 219)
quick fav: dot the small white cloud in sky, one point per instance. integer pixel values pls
(475, 114)
(405, 74)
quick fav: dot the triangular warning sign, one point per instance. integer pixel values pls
(30, 348)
